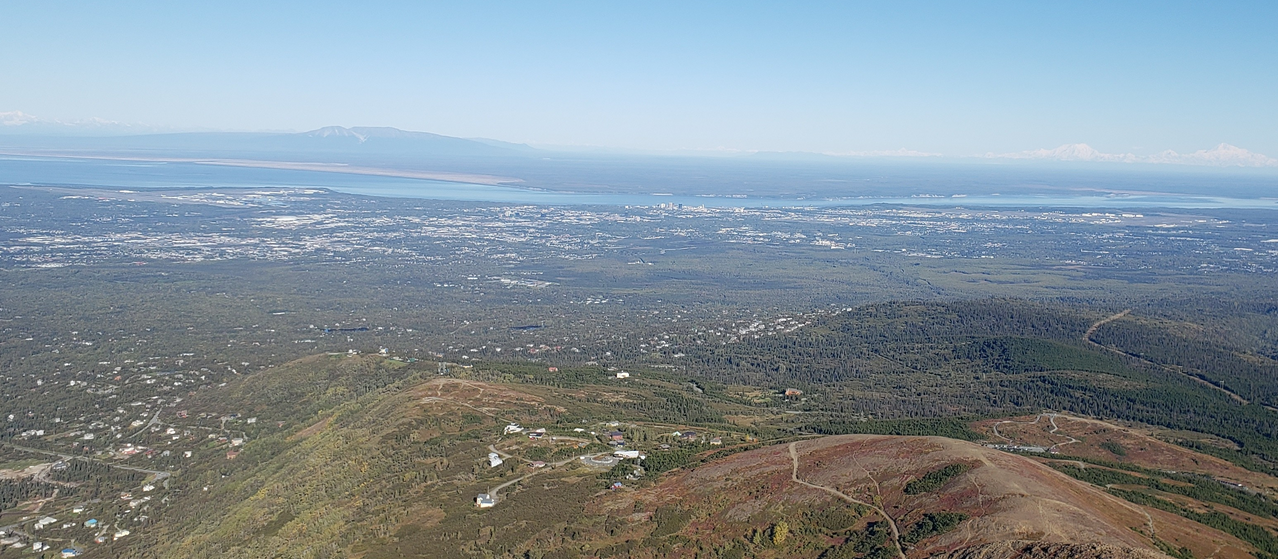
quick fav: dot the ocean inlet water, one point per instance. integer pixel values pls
(103, 173)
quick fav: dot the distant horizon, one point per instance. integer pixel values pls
(1222, 156)
(959, 79)
(445, 168)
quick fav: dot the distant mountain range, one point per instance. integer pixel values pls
(1223, 155)
(18, 122)
(387, 136)
(21, 130)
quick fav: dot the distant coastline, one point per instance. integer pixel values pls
(117, 172)
(468, 178)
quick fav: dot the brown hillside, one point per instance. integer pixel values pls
(1044, 550)
(1013, 504)
(1091, 438)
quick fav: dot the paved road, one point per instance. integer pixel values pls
(154, 420)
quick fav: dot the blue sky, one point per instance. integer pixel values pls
(957, 78)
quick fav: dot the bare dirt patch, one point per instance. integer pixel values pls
(30, 471)
(312, 429)
(1132, 445)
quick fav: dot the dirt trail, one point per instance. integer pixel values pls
(1055, 430)
(1087, 337)
(794, 476)
(493, 492)
(1051, 417)
(1001, 436)
(433, 399)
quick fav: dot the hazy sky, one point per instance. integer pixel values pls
(957, 78)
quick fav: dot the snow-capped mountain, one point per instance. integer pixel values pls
(1075, 152)
(1223, 155)
(18, 122)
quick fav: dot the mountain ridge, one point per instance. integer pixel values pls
(1223, 155)
(101, 133)
(329, 141)
(1009, 505)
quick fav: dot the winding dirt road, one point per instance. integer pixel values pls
(1087, 337)
(493, 492)
(1051, 417)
